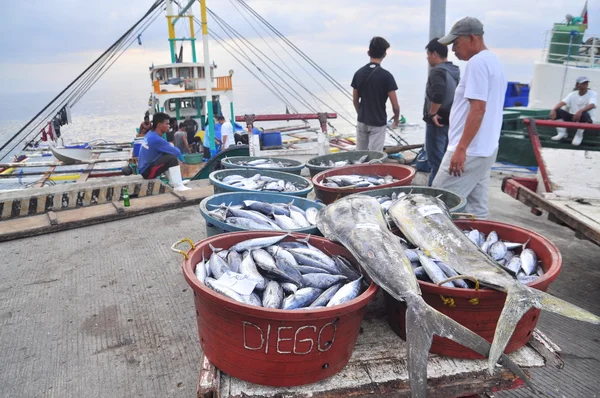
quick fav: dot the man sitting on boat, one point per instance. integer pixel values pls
(581, 104)
(145, 126)
(158, 156)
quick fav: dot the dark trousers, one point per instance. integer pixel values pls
(436, 142)
(568, 117)
(160, 165)
(240, 139)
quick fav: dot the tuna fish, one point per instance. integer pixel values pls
(358, 223)
(428, 225)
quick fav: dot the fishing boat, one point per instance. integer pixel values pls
(192, 90)
(569, 51)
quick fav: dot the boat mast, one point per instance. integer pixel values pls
(437, 18)
(207, 77)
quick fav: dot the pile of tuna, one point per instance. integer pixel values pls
(266, 272)
(340, 163)
(514, 257)
(357, 181)
(260, 183)
(253, 214)
(263, 163)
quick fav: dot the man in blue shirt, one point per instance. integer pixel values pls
(158, 156)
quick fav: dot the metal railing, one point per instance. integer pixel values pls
(572, 47)
(223, 83)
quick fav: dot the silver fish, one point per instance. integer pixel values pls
(347, 292)
(248, 267)
(514, 264)
(358, 223)
(278, 251)
(492, 238)
(257, 243)
(299, 219)
(226, 291)
(513, 245)
(310, 261)
(346, 268)
(528, 261)
(272, 295)
(254, 299)
(289, 288)
(200, 270)
(234, 259)
(497, 250)
(305, 269)
(301, 298)
(450, 272)
(218, 266)
(285, 222)
(436, 233)
(266, 208)
(434, 271)
(475, 237)
(311, 215)
(247, 223)
(322, 281)
(326, 296)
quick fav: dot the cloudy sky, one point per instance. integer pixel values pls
(45, 44)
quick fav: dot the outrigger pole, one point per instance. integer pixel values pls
(207, 78)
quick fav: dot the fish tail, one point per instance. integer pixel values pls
(518, 301)
(422, 323)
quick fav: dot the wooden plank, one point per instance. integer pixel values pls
(209, 379)
(85, 175)
(532, 199)
(45, 177)
(401, 148)
(573, 173)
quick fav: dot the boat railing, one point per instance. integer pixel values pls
(572, 47)
(183, 85)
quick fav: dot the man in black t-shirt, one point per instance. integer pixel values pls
(372, 86)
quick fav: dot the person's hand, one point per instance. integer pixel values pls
(457, 162)
(436, 120)
(395, 124)
(553, 114)
(577, 116)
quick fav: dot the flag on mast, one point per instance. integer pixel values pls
(584, 14)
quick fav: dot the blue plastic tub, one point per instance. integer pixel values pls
(455, 203)
(137, 145)
(231, 163)
(215, 227)
(305, 185)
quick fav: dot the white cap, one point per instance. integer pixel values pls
(582, 79)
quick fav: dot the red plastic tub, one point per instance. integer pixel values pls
(481, 315)
(274, 347)
(404, 175)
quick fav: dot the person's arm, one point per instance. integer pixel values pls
(355, 99)
(395, 108)
(586, 108)
(438, 88)
(185, 142)
(472, 125)
(163, 146)
(556, 107)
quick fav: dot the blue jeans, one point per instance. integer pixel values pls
(436, 142)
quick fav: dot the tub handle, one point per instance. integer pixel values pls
(469, 216)
(184, 254)
(449, 301)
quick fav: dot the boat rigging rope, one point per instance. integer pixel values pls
(155, 5)
(221, 23)
(85, 85)
(288, 53)
(226, 27)
(302, 54)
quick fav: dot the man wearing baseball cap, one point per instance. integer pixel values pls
(581, 104)
(475, 118)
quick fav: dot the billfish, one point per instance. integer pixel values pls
(358, 223)
(426, 222)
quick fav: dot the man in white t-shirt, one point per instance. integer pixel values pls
(475, 118)
(581, 105)
(226, 133)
